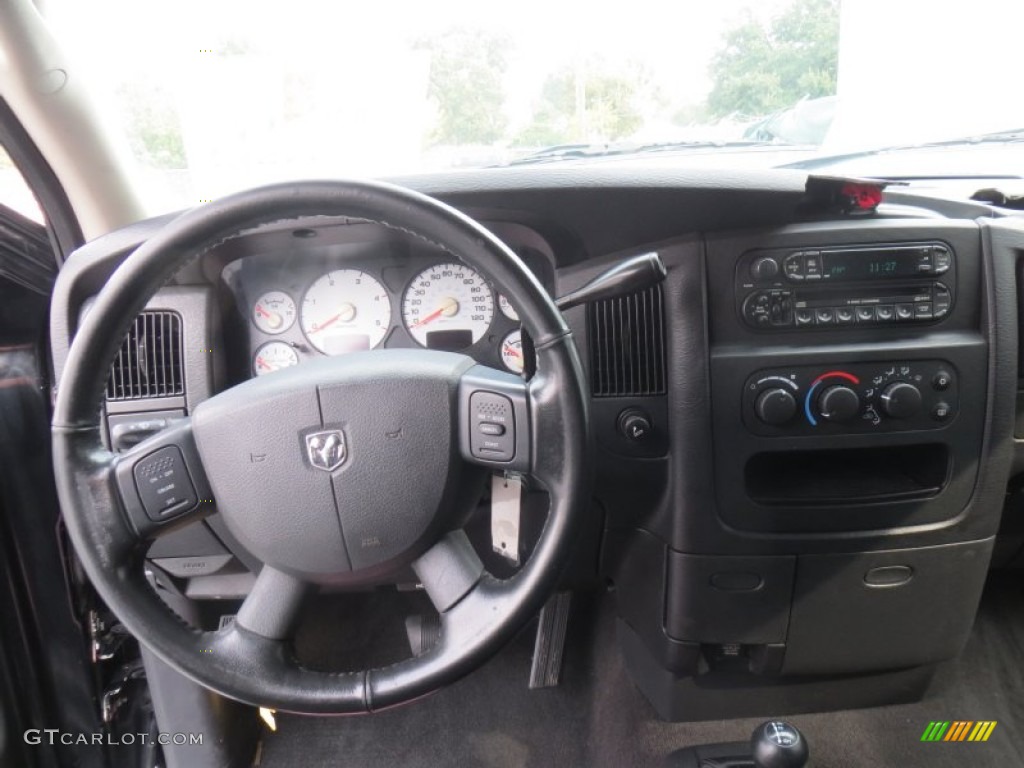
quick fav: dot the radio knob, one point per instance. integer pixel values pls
(775, 406)
(764, 268)
(901, 400)
(838, 403)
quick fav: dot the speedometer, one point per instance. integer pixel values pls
(448, 306)
(344, 311)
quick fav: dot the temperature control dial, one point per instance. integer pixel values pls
(838, 403)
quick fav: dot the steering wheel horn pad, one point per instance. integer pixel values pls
(339, 471)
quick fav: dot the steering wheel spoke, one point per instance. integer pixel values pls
(271, 607)
(161, 481)
(449, 570)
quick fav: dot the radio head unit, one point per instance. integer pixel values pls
(845, 286)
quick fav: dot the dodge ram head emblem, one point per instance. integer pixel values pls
(326, 450)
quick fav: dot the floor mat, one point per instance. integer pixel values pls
(598, 718)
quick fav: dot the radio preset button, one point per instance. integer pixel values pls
(865, 314)
(804, 317)
(825, 315)
(844, 315)
(885, 313)
(904, 311)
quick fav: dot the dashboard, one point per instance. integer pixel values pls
(372, 291)
(803, 437)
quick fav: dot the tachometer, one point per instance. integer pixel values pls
(344, 311)
(273, 356)
(274, 312)
(448, 306)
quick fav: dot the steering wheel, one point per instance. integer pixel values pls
(342, 471)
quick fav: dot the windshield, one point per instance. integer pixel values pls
(212, 96)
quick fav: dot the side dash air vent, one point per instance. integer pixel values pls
(627, 345)
(149, 363)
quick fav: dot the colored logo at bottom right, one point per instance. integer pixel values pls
(958, 730)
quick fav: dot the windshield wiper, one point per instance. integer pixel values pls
(1011, 136)
(577, 151)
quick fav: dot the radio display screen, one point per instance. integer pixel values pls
(871, 265)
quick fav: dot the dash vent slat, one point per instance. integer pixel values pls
(627, 345)
(149, 363)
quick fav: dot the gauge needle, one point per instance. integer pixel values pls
(262, 363)
(273, 319)
(448, 308)
(347, 313)
(514, 351)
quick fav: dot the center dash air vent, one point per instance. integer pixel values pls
(149, 363)
(627, 345)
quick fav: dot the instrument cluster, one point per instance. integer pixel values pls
(341, 305)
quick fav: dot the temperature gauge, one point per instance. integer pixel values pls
(273, 356)
(512, 351)
(274, 312)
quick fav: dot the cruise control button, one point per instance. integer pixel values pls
(164, 485)
(825, 315)
(885, 312)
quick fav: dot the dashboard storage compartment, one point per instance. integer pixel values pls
(728, 600)
(845, 476)
(884, 610)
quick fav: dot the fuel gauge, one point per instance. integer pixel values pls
(273, 356)
(274, 312)
(512, 351)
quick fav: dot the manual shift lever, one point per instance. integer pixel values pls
(776, 744)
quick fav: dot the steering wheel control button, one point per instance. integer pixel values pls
(165, 488)
(492, 428)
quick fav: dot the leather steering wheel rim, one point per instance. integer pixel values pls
(242, 661)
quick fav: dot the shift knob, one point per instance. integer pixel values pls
(778, 745)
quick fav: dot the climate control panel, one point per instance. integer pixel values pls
(860, 398)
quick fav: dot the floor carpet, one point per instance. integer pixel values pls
(598, 718)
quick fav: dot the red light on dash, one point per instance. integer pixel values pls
(863, 197)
